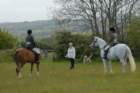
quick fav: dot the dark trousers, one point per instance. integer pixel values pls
(72, 63)
(106, 53)
(107, 50)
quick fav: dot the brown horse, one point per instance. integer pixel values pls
(23, 56)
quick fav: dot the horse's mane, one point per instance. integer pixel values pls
(99, 38)
(19, 49)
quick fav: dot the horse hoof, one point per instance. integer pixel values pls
(37, 74)
(30, 75)
(19, 76)
(105, 71)
(111, 72)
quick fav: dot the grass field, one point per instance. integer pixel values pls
(57, 78)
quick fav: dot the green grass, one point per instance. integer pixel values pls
(57, 78)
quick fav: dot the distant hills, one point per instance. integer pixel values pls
(43, 28)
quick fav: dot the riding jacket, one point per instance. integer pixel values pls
(30, 43)
(112, 38)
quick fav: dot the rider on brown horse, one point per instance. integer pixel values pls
(30, 43)
(29, 54)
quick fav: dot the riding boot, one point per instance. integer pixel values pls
(106, 53)
(113, 44)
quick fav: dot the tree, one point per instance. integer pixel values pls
(61, 44)
(134, 36)
(7, 41)
(99, 13)
(81, 43)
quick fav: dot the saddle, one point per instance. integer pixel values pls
(36, 52)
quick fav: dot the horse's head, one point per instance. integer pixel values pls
(98, 42)
(94, 42)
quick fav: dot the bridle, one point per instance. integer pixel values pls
(95, 41)
(93, 44)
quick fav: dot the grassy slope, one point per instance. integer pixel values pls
(57, 78)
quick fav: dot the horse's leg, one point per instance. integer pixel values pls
(37, 66)
(110, 66)
(105, 65)
(17, 68)
(19, 71)
(90, 60)
(32, 65)
(123, 62)
(84, 61)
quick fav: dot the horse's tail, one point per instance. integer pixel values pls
(15, 56)
(131, 60)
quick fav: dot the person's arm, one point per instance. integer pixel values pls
(67, 54)
(32, 40)
(115, 38)
(26, 39)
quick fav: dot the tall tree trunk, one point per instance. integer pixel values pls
(94, 12)
(103, 22)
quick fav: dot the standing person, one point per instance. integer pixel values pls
(71, 54)
(112, 40)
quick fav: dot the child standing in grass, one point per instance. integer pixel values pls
(71, 54)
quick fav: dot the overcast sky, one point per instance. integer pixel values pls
(26, 10)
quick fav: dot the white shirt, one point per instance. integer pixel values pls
(71, 53)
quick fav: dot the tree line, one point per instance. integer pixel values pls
(99, 15)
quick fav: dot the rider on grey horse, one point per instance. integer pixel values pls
(112, 41)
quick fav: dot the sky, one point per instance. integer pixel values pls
(26, 10)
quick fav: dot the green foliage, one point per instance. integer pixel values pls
(134, 36)
(81, 43)
(45, 43)
(7, 41)
(7, 55)
(62, 39)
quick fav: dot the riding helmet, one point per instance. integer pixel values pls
(112, 29)
(29, 31)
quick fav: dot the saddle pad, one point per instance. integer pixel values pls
(37, 50)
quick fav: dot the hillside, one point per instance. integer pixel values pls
(42, 28)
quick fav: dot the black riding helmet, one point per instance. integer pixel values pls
(29, 31)
(112, 29)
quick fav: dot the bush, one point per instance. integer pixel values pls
(7, 55)
(81, 43)
(61, 43)
(134, 36)
(45, 43)
(7, 41)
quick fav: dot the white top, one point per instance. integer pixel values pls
(71, 53)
